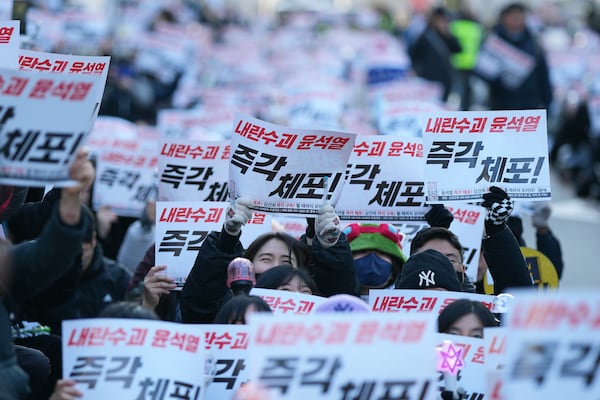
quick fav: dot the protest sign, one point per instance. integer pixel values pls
(466, 152)
(38, 151)
(419, 301)
(182, 226)
(308, 357)
(553, 350)
(285, 170)
(126, 358)
(385, 180)
(193, 170)
(286, 302)
(126, 175)
(468, 225)
(227, 349)
(498, 59)
(10, 42)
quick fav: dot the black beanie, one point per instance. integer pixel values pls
(428, 269)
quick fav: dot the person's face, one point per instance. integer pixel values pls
(514, 22)
(467, 325)
(444, 247)
(296, 285)
(272, 253)
(250, 310)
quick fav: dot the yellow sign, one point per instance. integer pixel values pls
(542, 271)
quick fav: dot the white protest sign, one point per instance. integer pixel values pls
(499, 59)
(315, 109)
(286, 302)
(495, 359)
(467, 354)
(109, 133)
(402, 117)
(193, 170)
(38, 151)
(10, 41)
(126, 358)
(227, 348)
(385, 180)
(126, 176)
(466, 152)
(419, 301)
(468, 226)
(6, 11)
(30, 60)
(286, 170)
(323, 356)
(553, 350)
(181, 228)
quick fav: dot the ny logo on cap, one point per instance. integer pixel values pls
(426, 278)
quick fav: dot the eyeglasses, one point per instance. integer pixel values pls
(389, 231)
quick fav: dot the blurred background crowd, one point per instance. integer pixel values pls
(350, 57)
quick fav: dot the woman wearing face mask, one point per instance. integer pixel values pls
(377, 254)
(466, 318)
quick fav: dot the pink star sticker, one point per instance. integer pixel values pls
(450, 358)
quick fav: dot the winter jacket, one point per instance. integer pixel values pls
(205, 289)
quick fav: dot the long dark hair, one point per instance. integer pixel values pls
(462, 307)
(282, 275)
(296, 247)
(234, 310)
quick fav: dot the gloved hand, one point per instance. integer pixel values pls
(439, 216)
(327, 226)
(238, 213)
(540, 216)
(499, 207)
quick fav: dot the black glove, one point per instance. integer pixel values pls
(439, 216)
(499, 207)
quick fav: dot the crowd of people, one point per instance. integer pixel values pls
(59, 259)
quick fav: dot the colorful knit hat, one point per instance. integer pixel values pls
(381, 237)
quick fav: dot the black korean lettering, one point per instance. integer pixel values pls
(322, 372)
(55, 142)
(151, 389)
(185, 391)
(87, 369)
(362, 391)
(233, 366)
(143, 193)
(584, 363)
(243, 157)
(492, 170)
(196, 178)
(278, 372)
(17, 144)
(173, 241)
(195, 243)
(534, 361)
(412, 195)
(400, 390)
(121, 372)
(275, 163)
(6, 113)
(129, 178)
(461, 156)
(218, 192)
(108, 176)
(365, 175)
(440, 153)
(518, 166)
(313, 187)
(288, 186)
(173, 174)
(386, 193)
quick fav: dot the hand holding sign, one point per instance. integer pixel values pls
(499, 207)
(238, 213)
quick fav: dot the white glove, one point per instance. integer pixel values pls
(541, 214)
(327, 226)
(238, 213)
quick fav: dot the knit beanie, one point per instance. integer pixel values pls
(429, 269)
(381, 237)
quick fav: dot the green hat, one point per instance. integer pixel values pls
(381, 237)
